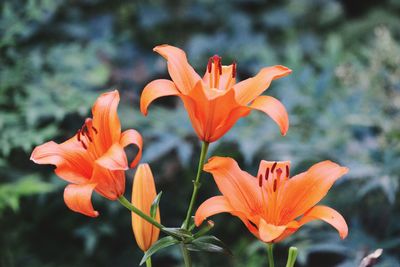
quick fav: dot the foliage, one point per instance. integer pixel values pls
(342, 97)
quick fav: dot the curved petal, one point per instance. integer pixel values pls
(143, 195)
(106, 121)
(249, 89)
(70, 158)
(220, 204)
(77, 197)
(240, 188)
(183, 75)
(269, 232)
(154, 90)
(212, 112)
(133, 137)
(210, 207)
(291, 228)
(327, 215)
(305, 190)
(109, 184)
(114, 158)
(273, 108)
(229, 122)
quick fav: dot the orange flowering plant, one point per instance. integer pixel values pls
(272, 205)
(94, 158)
(215, 102)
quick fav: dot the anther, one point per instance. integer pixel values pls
(83, 144)
(209, 64)
(273, 166)
(90, 139)
(260, 178)
(95, 130)
(287, 171)
(266, 174)
(274, 185)
(78, 135)
(234, 69)
(217, 63)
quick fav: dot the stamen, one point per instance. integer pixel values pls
(78, 135)
(266, 174)
(287, 171)
(234, 69)
(209, 64)
(83, 144)
(273, 167)
(95, 130)
(274, 185)
(90, 139)
(260, 179)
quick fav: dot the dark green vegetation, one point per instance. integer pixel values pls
(343, 98)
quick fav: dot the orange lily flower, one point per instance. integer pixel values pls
(215, 102)
(143, 195)
(94, 158)
(271, 205)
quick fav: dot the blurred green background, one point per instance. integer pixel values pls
(343, 97)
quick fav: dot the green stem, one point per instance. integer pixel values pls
(292, 257)
(186, 256)
(196, 184)
(270, 252)
(148, 262)
(146, 217)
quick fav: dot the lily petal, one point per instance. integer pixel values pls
(114, 158)
(305, 190)
(154, 90)
(183, 75)
(133, 137)
(239, 187)
(210, 207)
(109, 184)
(328, 215)
(106, 121)
(212, 112)
(269, 232)
(69, 157)
(249, 89)
(273, 108)
(220, 204)
(77, 197)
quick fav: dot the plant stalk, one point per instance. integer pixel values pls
(186, 256)
(148, 262)
(292, 257)
(196, 184)
(146, 217)
(270, 252)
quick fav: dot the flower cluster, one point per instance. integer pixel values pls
(273, 204)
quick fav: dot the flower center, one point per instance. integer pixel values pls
(214, 68)
(274, 177)
(275, 173)
(85, 133)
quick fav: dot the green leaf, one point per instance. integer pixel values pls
(209, 243)
(178, 232)
(160, 244)
(154, 205)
